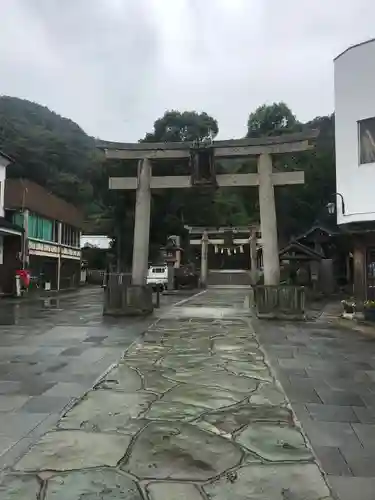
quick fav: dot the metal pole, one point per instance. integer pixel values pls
(204, 258)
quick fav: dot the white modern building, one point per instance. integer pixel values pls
(354, 73)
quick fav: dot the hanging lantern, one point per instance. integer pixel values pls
(229, 252)
(241, 249)
(216, 249)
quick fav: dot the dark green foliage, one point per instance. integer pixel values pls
(274, 119)
(50, 150)
(187, 126)
(298, 207)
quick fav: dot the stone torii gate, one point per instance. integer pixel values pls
(265, 179)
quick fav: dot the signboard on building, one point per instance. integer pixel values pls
(41, 248)
(53, 250)
(70, 253)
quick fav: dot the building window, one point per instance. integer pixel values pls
(366, 138)
(40, 228)
(70, 236)
(18, 218)
(55, 231)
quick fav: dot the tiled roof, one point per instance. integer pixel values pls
(25, 194)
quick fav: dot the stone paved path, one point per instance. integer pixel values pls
(190, 413)
(51, 352)
(328, 374)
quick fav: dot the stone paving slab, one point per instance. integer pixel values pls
(285, 482)
(193, 413)
(97, 483)
(70, 450)
(161, 491)
(90, 414)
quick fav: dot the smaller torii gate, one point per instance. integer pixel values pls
(199, 157)
(244, 239)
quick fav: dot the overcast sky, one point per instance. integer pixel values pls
(114, 66)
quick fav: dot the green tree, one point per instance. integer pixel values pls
(172, 209)
(298, 207)
(175, 126)
(274, 119)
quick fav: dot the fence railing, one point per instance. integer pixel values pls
(123, 299)
(279, 301)
(96, 276)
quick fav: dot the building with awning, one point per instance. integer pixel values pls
(52, 229)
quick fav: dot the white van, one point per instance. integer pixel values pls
(157, 276)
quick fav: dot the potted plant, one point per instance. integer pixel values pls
(349, 308)
(369, 310)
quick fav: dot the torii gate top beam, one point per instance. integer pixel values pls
(287, 143)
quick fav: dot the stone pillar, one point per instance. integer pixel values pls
(204, 260)
(170, 276)
(178, 253)
(142, 223)
(268, 221)
(253, 256)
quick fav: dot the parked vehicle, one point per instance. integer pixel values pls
(157, 277)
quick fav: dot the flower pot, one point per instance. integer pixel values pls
(369, 314)
(347, 315)
(349, 309)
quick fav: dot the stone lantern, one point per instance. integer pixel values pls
(171, 249)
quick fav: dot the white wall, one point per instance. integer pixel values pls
(354, 100)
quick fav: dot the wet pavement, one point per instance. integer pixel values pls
(328, 374)
(191, 412)
(52, 351)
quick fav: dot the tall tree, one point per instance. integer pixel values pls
(171, 210)
(274, 119)
(175, 126)
(298, 206)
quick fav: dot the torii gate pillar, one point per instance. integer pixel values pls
(268, 223)
(142, 223)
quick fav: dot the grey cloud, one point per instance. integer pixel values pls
(114, 66)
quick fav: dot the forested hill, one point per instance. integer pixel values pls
(48, 149)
